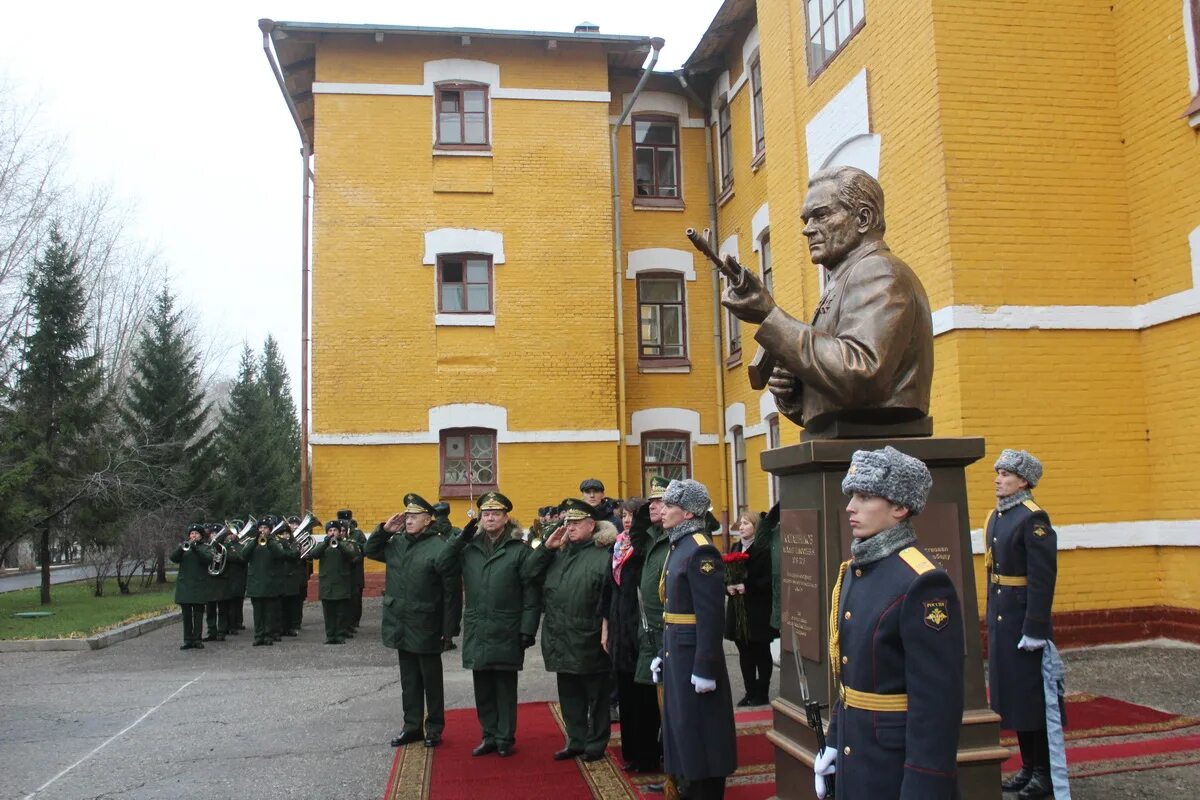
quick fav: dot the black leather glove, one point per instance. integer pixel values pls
(468, 531)
(527, 640)
(447, 643)
(772, 518)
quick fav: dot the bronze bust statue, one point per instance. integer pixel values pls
(866, 360)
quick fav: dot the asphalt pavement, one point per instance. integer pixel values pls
(303, 719)
(11, 582)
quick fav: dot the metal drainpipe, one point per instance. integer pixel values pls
(618, 278)
(266, 26)
(718, 353)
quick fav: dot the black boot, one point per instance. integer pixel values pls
(1039, 786)
(1017, 782)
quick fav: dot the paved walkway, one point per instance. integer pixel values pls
(145, 720)
(27, 580)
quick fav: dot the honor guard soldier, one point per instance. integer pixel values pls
(191, 584)
(339, 557)
(895, 645)
(1021, 559)
(422, 602)
(502, 607)
(360, 575)
(699, 740)
(575, 596)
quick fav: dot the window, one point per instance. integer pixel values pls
(740, 500)
(665, 453)
(1193, 15)
(465, 284)
(734, 327)
(764, 259)
(756, 107)
(831, 23)
(772, 443)
(462, 115)
(725, 141)
(468, 461)
(662, 319)
(656, 159)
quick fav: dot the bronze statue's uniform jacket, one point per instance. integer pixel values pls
(868, 354)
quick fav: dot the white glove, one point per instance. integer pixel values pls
(656, 670)
(703, 684)
(825, 764)
(1030, 644)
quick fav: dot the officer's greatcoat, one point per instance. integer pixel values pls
(575, 595)
(422, 598)
(699, 739)
(900, 632)
(502, 598)
(192, 584)
(1022, 545)
(338, 565)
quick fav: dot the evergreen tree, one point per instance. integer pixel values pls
(285, 429)
(57, 403)
(165, 413)
(250, 460)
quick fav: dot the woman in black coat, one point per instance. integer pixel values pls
(754, 651)
(638, 703)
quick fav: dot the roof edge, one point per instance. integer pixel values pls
(286, 27)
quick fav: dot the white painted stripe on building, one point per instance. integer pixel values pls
(465, 320)
(1099, 535)
(463, 240)
(496, 92)
(431, 437)
(649, 259)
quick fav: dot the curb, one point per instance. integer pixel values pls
(97, 642)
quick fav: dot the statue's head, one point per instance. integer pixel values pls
(843, 210)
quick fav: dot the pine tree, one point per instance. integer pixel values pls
(58, 396)
(250, 462)
(165, 412)
(277, 386)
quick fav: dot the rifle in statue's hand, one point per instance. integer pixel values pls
(763, 363)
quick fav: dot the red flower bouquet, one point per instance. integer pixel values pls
(737, 566)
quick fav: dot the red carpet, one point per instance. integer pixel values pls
(1105, 736)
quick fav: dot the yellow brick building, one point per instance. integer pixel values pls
(1038, 161)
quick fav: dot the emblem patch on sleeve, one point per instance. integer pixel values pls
(707, 566)
(937, 616)
(1040, 530)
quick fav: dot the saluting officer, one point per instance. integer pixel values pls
(501, 620)
(699, 740)
(575, 595)
(191, 584)
(1022, 564)
(895, 645)
(422, 601)
(339, 559)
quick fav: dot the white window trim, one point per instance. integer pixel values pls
(760, 226)
(681, 420)
(660, 103)
(448, 241)
(444, 320)
(660, 259)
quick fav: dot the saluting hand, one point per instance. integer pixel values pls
(555, 540)
(394, 523)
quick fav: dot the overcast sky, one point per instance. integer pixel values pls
(174, 106)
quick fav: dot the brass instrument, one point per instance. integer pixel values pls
(303, 534)
(187, 546)
(217, 567)
(247, 530)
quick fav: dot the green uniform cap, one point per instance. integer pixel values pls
(658, 485)
(574, 508)
(494, 501)
(415, 504)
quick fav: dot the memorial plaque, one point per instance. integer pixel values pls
(937, 534)
(800, 579)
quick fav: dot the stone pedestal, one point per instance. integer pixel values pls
(815, 539)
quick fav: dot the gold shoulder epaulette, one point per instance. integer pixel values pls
(701, 539)
(1032, 506)
(917, 560)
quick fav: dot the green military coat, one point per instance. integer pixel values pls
(192, 584)
(338, 567)
(235, 570)
(422, 598)
(360, 572)
(502, 598)
(650, 636)
(575, 598)
(265, 568)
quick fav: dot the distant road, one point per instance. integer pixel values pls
(28, 580)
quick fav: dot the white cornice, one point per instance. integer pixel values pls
(1102, 535)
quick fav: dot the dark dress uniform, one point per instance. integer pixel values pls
(1022, 566)
(215, 607)
(264, 584)
(192, 589)
(575, 596)
(500, 620)
(360, 580)
(336, 585)
(422, 601)
(699, 739)
(897, 639)
(235, 586)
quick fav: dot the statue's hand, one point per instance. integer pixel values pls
(782, 383)
(748, 300)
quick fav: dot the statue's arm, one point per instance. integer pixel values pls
(857, 366)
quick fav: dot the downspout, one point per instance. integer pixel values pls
(266, 26)
(718, 353)
(618, 277)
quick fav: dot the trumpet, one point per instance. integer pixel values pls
(333, 541)
(187, 546)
